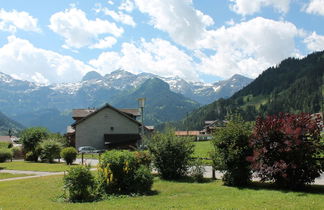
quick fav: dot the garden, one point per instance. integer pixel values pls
(282, 151)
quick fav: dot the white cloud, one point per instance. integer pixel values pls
(78, 31)
(21, 59)
(315, 42)
(13, 20)
(126, 5)
(315, 7)
(179, 19)
(106, 42)
(157, 56)
(119, 16)
(249, 47)
(249, 7)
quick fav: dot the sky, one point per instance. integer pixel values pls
(198, 40)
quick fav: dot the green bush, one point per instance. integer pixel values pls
(5, 154)
(5, 145)
(143, 158)
(17, 152)
(120, 172)
(171, 154)
(30, 138)
(79, 184)
(50, 149)
(231, 151)
(69, 154)
(143, 180)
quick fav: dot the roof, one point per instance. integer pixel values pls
(5, 139)
(186, 133)
(134, 112)
(98, 110)
(82, 112)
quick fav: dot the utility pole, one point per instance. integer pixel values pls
(141, 104)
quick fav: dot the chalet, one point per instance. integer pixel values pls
(105, 128)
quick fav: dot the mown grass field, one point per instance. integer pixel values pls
(42, 193)
(9, 175)
(32, 166)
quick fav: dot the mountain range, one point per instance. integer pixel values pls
(168, 99)
(294, 86)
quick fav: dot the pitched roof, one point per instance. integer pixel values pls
(82, 112)
(98, 110)
(134, 112)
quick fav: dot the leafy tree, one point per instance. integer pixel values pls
(171, 154)
(50, 149)
(231, 151)
(284, 149)
(31, 137)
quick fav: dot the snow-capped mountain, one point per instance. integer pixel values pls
(122, 80)
(31, 103)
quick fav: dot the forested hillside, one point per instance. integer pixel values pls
(6, 124)
(295, 85)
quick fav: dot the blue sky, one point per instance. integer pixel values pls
(59, 41)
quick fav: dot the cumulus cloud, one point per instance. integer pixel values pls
(156, 56)
(12, 20)
(118, 16)
(22, 60)
(126, 5)
(106, 42)
(249, 47)
(179, 19)
(249, 7)
(314, 42)
(78, 31)
(315, 7)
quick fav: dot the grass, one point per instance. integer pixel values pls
(89, 156)
(32, 166)
(9, 175)
(202, 149)
(42, 193)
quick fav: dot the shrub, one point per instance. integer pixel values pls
(231, 151)
(79, 183)
(171, 154)
(197, 170)
(120, 172)
(17, 152)
(284, 148)
(33, 155)
(143, 158)
(30, 138)
(5, 154)
(5, 145)
(69, 154)
(50, 149)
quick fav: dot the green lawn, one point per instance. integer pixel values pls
(42, 193)
(8, 175)
(31, 166)
(202, 149)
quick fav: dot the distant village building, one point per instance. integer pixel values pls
(206, 133)
(106, 128)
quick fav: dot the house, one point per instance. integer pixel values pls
(105, 128)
